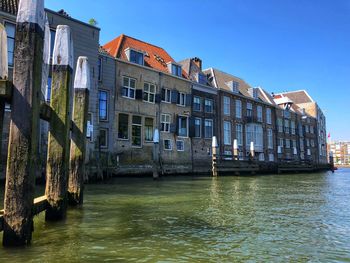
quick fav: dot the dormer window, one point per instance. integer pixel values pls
(234, 86)
(135, 56)
(175, 69)
(254, 93)
(202, 78)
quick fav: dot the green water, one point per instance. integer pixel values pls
(277, 218)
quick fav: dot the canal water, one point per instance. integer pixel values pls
(272, 218)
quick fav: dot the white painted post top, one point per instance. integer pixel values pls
(63, 49)
(295, 151)
(251, 146)
(82, 75)
(31, 11)
(156, 136)
(214, 142)
(235, 144)
(3, 53)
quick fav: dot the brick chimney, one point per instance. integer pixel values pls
(198, 62)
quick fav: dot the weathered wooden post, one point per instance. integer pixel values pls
(24, 127)
(156, 154)
(214, 147)
(79, 127)
(235, 149)
(331, 161)
(58, 141)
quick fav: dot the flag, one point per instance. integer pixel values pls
(329, 135)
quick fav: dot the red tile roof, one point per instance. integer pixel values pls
(155, 57)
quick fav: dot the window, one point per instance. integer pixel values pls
(165, 122)
(312, 142)
(168, 145)
(208, 104)
(286, 126)
(102, 105)
(280, 125)
(136, 131)
(208, 129)
(238, 109)
(269, 139)
(226, 106)
(280, 142)
(249, 109)
(103, 138)
(90, 127)
(271, 157)
(287, 143)
(136, 57)
(176, 70)
(268, 116)
(307, 128)
(180, 146)
(301, 144)
(311, 129)
(300, 129)
(148, 129)
(11, 32)
(227, 133)
(292, 127)
(239, 134)
(197, 127)
(129, 86)
(197, 103)
(166, 95)
(254, 133)
(149, 92)
(202, 79)
(123, 126)
(181, 99)
(259, 113)
(234, 86)
(99, 68)
(183, 126)
(261, 157)
(286, 114)
(294, 143)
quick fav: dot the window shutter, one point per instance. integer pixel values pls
(158, 98)
(188, 100)
(139, 94)
(192, 131)
(174, 96)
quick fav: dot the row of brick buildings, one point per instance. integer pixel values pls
(340, 151)
(138, 88)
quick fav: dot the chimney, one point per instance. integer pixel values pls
(198, 62)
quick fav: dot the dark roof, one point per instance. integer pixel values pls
(9, 6)
(298, 97)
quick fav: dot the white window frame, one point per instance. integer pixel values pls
(200, 103)
(227, 133)
(238, 109)
(239, 134)
(166, 122)
(211, 105)
(212, 128)
(249, 109)
(129, 88)
(147, 91)
(170, 143)
(107, 106)
(181, 99)
(227, 105)
(259, 113)
(141, 131)
(200, 127)
(269, 139)
(183, 145)
(167, 97)
(187, 126)
(268, 116)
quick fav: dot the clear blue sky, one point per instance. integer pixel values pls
(279, 45)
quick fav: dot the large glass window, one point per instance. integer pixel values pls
(149, 92)
(196, 103)
(238, 109)
(11, 32)
(208, 104)
(180, 146)
(292, 127)
(286, 126)
(227, 105)
(254, 133)
(268, 116)
(181, 99)
(197, 127)
(183, 126)
(148, 129)
(165, 120)
(129, 86)
(123, 126)
(270, 138)
(136, 131)
(103, 105)
(239, 134)
(249, 109)
(227, 133)
(279, 125)
(259, 113)
(208, 128)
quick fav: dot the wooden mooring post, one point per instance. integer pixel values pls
(24, 127)
(214, 156)
(78, 141)
(58, 140)
(156, 161)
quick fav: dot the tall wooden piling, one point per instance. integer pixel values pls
(24, 127)
(156, 162)
(58, 141)
(79, 126)
(214, 156)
